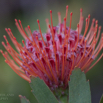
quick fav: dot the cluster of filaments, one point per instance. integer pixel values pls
(54, 59)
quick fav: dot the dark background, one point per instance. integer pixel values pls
(28, 11)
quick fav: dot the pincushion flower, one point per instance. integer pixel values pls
(53, 58)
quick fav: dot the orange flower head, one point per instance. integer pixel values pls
(53, 58)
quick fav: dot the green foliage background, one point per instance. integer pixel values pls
(28, 12)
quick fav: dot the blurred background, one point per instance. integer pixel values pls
(28, 11)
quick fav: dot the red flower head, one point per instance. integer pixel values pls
(54, 59)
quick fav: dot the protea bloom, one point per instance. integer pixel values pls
(54, 59)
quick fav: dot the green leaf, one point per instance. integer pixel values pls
(79, 89)
(61, 94)
(64, 99)
(42, 92)
(101, 100)
(23, 99)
